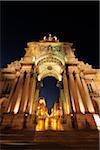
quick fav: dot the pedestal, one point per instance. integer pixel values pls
(81, 123)
(68, 123)
(7, 120)
(30, 122)
(90, 121)
(18, 121)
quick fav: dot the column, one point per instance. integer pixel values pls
(34, 106)
(1, 85)
(80, 99)
(5, 84)
(97, 100)
(17, 95)
(81, 90)
(72, 100)
(10, 84)
(30, 120)
(31, 94)
(66, 92)
(25, 94)
(62, 99)
(95, 106)
(7, 109)
(74, 92)
(89, 102)
(89, 117)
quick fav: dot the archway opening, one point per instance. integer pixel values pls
(50, 92)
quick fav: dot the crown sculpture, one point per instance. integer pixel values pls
(50, 39)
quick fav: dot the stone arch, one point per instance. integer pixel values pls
(46, 73)
(49, 86)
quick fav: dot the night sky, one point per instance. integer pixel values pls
(76, 22)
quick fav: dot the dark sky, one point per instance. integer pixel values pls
(76, 22)
(50, 91)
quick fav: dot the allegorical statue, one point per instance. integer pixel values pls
(42, 115)
(56, 117)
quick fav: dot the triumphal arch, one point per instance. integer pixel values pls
(79, 85)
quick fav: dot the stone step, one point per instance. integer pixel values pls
(48, 146)
(60, 140)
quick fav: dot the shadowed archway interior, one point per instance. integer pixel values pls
(50, 92)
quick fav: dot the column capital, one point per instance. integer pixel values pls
(28, 74)
(17, 74)
(76, 71)
(59, 84)
(34, 74)
(22, 72)
(82, 75)
(28, 71)
(70, 69)
(35, 69)
(39, 85)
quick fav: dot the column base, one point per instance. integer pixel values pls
(7, 121)
(90, 122)
(68, 123)
(18, 121)
(81, 123)
(30, 122)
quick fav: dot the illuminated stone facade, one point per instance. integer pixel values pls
(79, 84)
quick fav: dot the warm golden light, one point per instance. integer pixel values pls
(47, 123)
(16, 108)
(97, 120)
(30, 111)
(72, 100)
(80, 100)
(53, 124)
(41, 125)
(41, 101)
(17, 105)
(22, 81)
